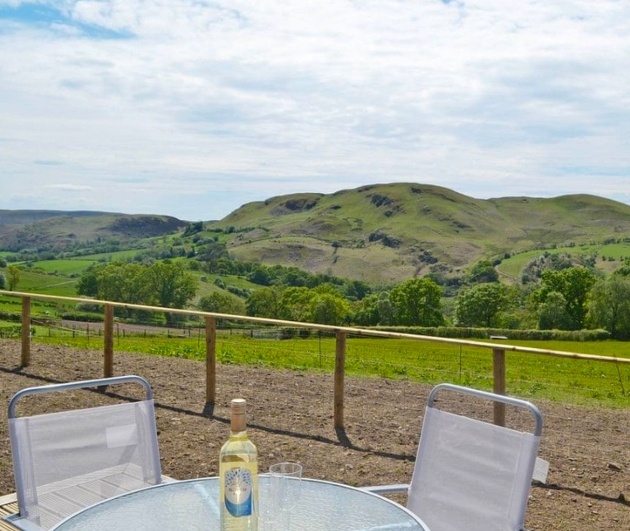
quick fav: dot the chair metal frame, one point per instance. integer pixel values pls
(27, 522)
(419, 490)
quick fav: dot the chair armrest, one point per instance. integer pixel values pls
(387, 489)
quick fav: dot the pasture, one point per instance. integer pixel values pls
(583, 382)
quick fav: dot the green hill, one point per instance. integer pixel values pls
(392, 231)
(378, 233)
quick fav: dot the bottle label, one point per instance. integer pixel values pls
(238, 492)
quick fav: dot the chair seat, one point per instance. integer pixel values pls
(9, 505)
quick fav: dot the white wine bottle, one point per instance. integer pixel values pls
(238, 475)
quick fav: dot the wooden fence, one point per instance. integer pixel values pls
(341, 334)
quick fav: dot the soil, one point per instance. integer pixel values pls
(290, 417)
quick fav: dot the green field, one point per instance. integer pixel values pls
(593, 383)
(38, 281)
(63, 267)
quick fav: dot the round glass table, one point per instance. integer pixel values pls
(193, 504)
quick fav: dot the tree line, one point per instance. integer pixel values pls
(165, 284)
(571, 298)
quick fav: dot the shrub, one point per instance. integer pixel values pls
(484, 333)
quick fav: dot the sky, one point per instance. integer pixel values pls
(192, 108)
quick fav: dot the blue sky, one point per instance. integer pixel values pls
(192, 108)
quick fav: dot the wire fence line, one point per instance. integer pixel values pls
(588, 381)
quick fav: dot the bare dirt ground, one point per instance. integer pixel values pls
(291, 418)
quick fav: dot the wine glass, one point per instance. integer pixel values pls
(285, 485)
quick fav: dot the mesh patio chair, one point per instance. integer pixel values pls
(68, 460)
(471, 474)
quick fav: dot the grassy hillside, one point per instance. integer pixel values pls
(394, 231)
(378, 233)
(609, 257)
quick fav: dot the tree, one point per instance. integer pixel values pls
(357, 289)
(14, 275)
(218, 302)
(260, 275)
(3, 281)
(552, 314)
(295, 304)
(293, 277)
(483, 271)
(170, 285)
(116, 281)
(328, 288)
(366, 312)
(417, 302)
(330, 309)
(124, 283)
(374, 309)
(482, 304)
(162, 284)
(264, 302)
(88, 283)
(574, 284)
(193, 228)
(385, 308)
(609, 305)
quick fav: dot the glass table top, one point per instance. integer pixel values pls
(193, 504)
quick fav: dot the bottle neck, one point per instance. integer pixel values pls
(238, 435)
(238, 419)
(238, 422)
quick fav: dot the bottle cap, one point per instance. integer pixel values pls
(238, 405)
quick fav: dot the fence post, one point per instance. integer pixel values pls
(108, 342)
(498, 369)
(340, 363)
(211, 360)
(26, 332)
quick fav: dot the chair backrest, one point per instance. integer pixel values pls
(67, 460)
(471, 474)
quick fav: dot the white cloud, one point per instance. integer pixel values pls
(194, 108)
(69, 187)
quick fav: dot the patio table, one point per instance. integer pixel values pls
(193, 504)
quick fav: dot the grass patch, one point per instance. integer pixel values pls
(592, 383)
(39, 281)
(63, 267)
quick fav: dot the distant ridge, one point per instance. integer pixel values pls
(58, 230)
(376, 233)
(25, 217)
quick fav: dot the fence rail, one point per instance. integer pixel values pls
(341, 335)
